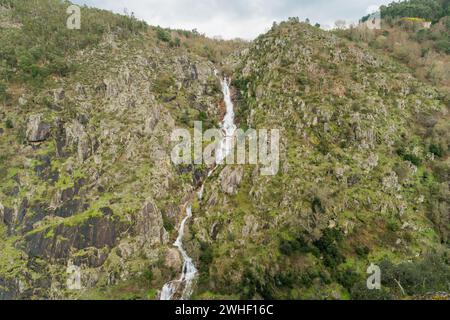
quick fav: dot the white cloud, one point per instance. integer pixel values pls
(236, 18)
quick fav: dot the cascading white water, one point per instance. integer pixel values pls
(228, 126)
(189, 270)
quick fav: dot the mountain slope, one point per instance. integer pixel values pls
(89, 197)
(90, 201)
(357, 181)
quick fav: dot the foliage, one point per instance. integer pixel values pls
(41, 47)
(163, 34)
(328, 246)
(431, 274)
(431, 10)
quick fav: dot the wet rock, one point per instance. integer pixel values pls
(107, 211)
(21, 212)
(214, 230)
(66, 195)
(198, 176)
(37, 130)
(60, 138)
(70, 208)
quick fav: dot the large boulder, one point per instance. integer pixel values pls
(37, 130)
(173, 259)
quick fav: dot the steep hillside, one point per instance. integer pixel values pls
(360, 180)
(90, 201)
(406, 37)
(89, 196)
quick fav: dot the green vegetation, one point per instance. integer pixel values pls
(431, 10)
(363, 174)
(42, 47)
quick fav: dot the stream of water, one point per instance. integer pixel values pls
(185, 283)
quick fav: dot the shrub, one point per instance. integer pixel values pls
(163, 34)
(206, 257)
(443, 45)
(347, 278)
(437, 150)
(175, 43)
(432, 274)
(362, 251)
(289, 247)
(9, 124)
(415, 160)
(328, 247)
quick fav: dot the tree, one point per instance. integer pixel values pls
(340, 24)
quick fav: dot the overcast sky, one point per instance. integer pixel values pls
(237, 18)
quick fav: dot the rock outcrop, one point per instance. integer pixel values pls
(230, 179)
(149, 225)
(37, 129)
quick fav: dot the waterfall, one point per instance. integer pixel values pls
(189, 270)
(228, 126)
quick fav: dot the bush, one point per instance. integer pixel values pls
(163, 34)
(415, 160)
(347, 278)
(362, 251)
(432, 274)
(443, 46)
(437, 150)
(175, 43)
(9, 124)
(328, 247)
(289, 247)
(206, 257)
